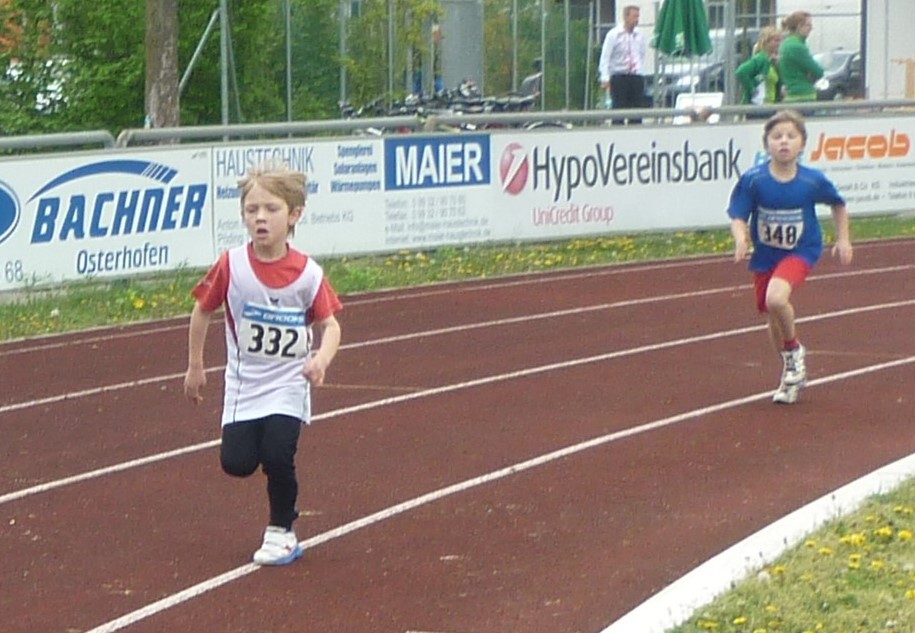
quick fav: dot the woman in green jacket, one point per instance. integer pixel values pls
(758, 76)
(798, 70)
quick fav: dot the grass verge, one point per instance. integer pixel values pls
(33, 311)
(854, 575)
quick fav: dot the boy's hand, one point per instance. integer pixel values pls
(843, 249)
(194, 380)
(314, 370)
(741, 248)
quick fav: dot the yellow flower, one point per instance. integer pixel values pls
(910, 594)
(877, 564)
(857, 539)
(139, 303)
(905, 535)
(825, 551)
(740, 620)
(884, 532)
(771, 608)
(707, 625)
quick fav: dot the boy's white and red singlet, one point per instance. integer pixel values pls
(270, 307)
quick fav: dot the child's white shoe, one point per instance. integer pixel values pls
(786, 394)
(794, 371)
(280, 547)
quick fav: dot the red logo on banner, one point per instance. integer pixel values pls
(513, 168)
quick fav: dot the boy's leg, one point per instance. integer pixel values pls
(788, 275)
(781, 312)
(238, 451)
(277, 454)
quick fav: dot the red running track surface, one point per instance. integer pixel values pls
(536, 453)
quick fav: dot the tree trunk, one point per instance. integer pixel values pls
(162, 103)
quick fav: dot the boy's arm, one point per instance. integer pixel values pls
(327, 342)
(842, 247)
(741, 234)
(195, 377)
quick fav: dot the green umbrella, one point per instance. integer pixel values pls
(682, 29)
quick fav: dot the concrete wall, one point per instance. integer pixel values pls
(891, 49)
(462, 42)
(836, 23)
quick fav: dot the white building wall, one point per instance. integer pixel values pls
(890, 47)
(836, 23)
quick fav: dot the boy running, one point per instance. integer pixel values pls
(281, 335)
(772, 207)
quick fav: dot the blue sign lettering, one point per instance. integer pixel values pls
(452, 161)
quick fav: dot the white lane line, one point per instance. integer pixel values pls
(427, 333)
(368, 298)
(439, 290)
(434, 391)
(385, 340)
(208, 585)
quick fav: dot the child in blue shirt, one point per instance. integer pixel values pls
(773, 208)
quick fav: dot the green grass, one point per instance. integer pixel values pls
(856, 575)
(35, 311)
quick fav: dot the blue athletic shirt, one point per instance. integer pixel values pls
(782, 215)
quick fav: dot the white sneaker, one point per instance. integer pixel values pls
(280, 547)
(794, 370)
(786, 394)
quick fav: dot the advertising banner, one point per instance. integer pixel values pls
(106, 214)
(126, 212)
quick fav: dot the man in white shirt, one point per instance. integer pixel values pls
(622, 58)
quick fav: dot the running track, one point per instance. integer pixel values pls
(536, 453)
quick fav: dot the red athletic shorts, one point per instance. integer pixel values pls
(792, 269)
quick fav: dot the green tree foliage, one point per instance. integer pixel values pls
(367, 52)
(28, 101)
(316, 59)
(498, 43)
(71, 65)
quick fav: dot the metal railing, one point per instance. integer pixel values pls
(58, 140)
(445, 122)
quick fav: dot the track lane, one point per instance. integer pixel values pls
(380, 437)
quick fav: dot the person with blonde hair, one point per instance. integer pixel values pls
(758, 76)
(281, 336)
(798, 69)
